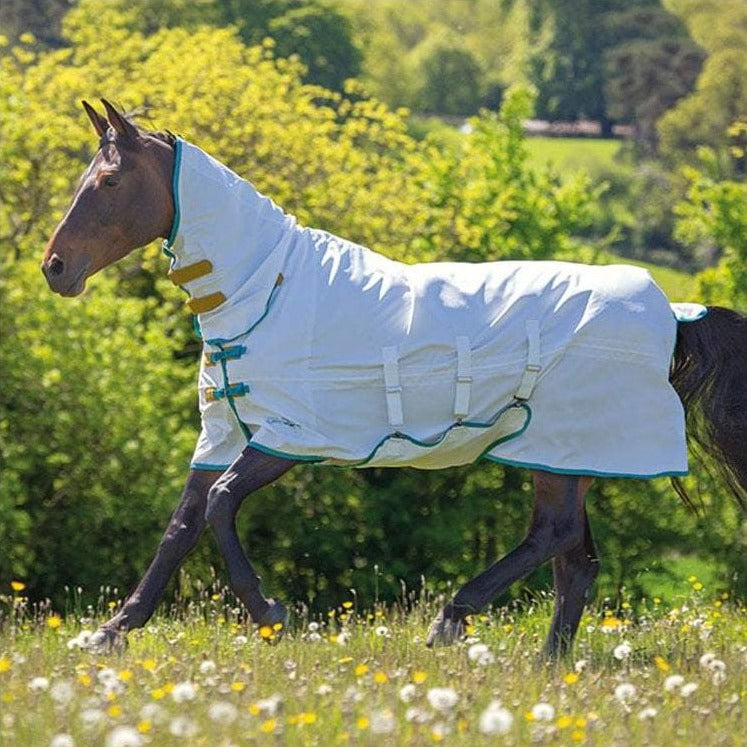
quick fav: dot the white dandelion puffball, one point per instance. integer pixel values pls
(382, 722)
(543, 712)
(207, 667)
(62, 692)
(382, 631)
(324, 689)
(496, 719)
(181, 726)
(124, 736)
(222, 712)
(442, 698)
(688, 689)
(706, 659)
(622, 651)
(625, 692)
(647, 714)
(38, 684)
(91, 717)
(408, 692)
(183, 692)
(62, 740)
(270, 706)
(673, 682)
(418, 715)
(153, 712)
(480, 654)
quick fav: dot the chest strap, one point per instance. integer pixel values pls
(533, 367)
(390, 357)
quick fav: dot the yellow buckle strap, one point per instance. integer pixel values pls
(203, 304)
(191, 272)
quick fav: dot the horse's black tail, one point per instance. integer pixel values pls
(709, 372)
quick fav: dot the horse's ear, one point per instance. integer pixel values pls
(99, 123)
(121, 124)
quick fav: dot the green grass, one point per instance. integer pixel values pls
(572, 154)
(343, 682)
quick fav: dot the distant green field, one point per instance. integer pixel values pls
(572, 153)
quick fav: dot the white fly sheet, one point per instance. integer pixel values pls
(321, 350)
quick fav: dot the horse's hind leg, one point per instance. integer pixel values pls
(556, 528)
(574, 573)
(251, 470)
(181, 535)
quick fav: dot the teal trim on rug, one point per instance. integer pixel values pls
(590, 472)
(204, 467)
(175, 195)
(219, 341)
(285, 455)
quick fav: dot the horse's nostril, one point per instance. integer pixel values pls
(55, 266)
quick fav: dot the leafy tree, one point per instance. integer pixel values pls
(653, 64)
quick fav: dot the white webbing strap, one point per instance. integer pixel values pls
(393, 387)
(532, 368)
(463, 378)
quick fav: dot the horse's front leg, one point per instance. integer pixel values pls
(251, 471)
(557, 527)
(181, 535)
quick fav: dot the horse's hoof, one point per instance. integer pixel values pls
(106, 640)
(273, 623)
(444, 631)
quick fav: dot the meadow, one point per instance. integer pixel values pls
(644, 674)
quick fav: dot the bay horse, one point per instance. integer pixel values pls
(317, 350)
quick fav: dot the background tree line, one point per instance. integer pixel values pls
(98, 407)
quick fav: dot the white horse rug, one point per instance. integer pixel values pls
(321, 350)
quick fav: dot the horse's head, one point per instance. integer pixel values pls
(123, 201)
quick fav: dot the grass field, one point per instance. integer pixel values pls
(570, 154)
(656, 676)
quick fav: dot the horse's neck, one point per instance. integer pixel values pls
(228, 242)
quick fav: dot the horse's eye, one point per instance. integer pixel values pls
(110, 181)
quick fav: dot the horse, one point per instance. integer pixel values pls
(317, 350)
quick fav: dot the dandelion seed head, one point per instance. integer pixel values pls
(382, 722)
(181, 726)
(222, 712)
(269, 706)
(688, 689)
(408, 692)
(91, 717)
(183, 692)
(442, 698)
(625, 692)
(543, 712)
(38, 685)
(622, 651)
(153, 712)
(62, 692)
(124, 736)
(62, 740)
(382, 632)
(647, 714)
(495, 719)
(480, 654)
(673, 682)
(418, 715)
(207, 666)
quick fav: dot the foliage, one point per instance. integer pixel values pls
(720, 95)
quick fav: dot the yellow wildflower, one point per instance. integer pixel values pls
(571, 678)
(362, 723)
(661, 663)
(144, 727)
(84, 679)
(419, 677)
(268, 726)
(380, 678)
(564, 722)
(149, 665)
(5, 664)
(114, 711)
(17, 585)
(54, 622)
(253, 708)
(266, 632)
(238, 686)
(578, 735)
(361, 669)
(125, 675)
(347, 605)
(158, 693)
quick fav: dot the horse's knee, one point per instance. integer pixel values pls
(219, 507)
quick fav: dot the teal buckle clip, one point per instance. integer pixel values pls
(226, 354)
